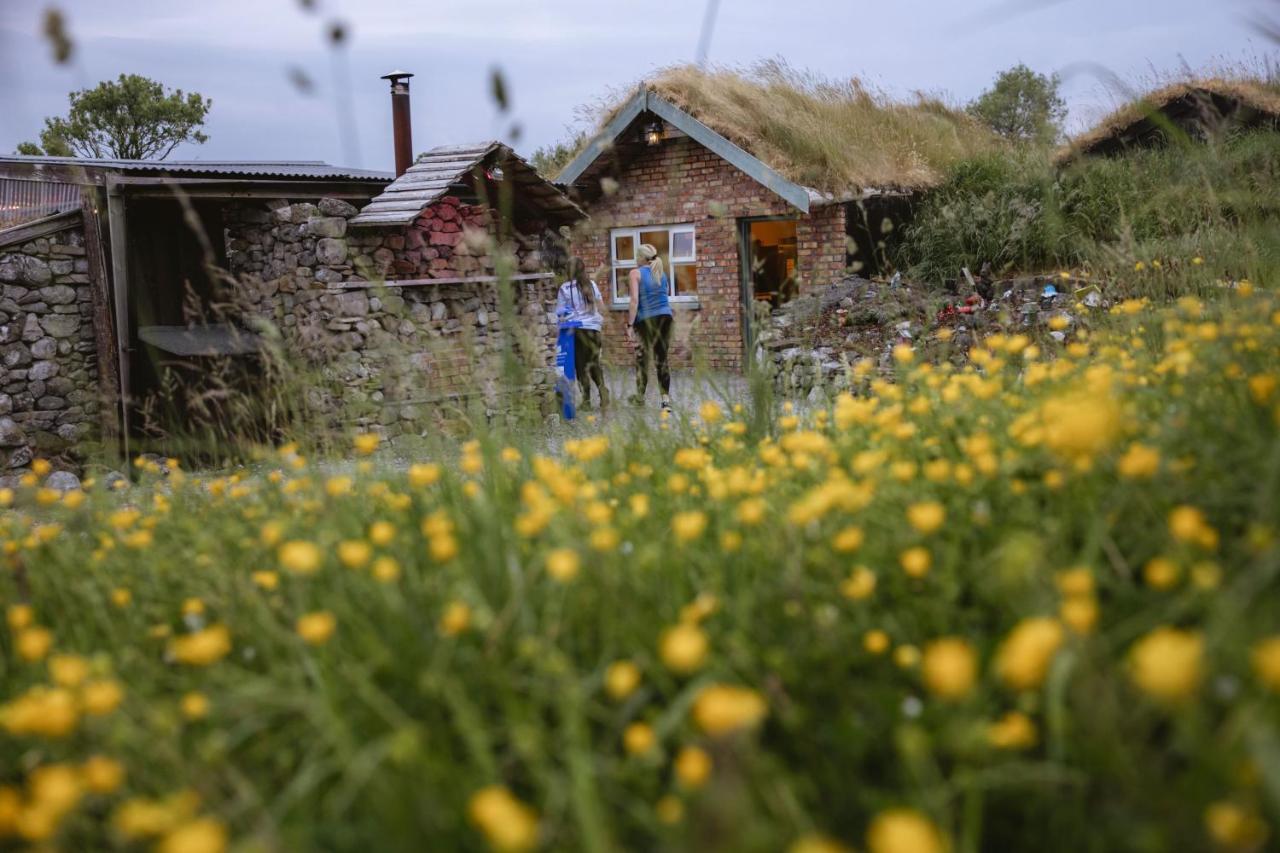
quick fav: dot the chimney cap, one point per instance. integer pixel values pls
(397, 75)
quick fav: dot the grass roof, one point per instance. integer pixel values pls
(835, 136)
(1262, 95)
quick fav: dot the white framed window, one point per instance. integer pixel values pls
(677, 245)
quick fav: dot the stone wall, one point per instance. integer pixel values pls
(49, 394)
(398, 352)
(682, 182)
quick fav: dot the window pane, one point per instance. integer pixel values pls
(660, 240)
(686, 283)
(621, 284)
(682, 244)
(624, 248)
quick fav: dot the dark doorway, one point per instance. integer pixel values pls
(768, 252)
(875, 228)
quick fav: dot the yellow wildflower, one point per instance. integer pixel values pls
(101, 775)
(299, 557)
(316, 628)
(201, 648)
(1265, 658)
(507, 823)
(1014, 730)
(562, 564)
(927, 516)
(621, 679)
(689, 525)
(355, 553)
(639, 738)
(1024, 657)
(683, 648)
(859, 585)
(723, 708)
(1168, 663)
(693, 766)
(904, 831)
(916, 561)
(455, 620)
(949, 667)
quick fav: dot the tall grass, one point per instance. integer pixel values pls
(1052, 515)
(1022, 214)
(838, 136)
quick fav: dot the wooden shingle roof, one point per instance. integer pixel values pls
(452, 168)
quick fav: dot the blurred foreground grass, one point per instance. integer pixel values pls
(1031, 603)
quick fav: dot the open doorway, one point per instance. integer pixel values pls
(769, 267)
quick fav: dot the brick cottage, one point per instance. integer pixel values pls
(737, 237)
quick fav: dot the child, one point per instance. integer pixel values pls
(579, 302)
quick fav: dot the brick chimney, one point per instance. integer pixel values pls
(402, 129)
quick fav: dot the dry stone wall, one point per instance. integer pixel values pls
(48, 364)
(396, 353)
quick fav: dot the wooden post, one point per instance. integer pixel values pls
(120, 289)
(103, 332)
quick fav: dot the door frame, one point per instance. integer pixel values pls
(746, 287)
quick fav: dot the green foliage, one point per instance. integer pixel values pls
(1023, 106)
(1022, 215)
(550, 160)
(133, 118)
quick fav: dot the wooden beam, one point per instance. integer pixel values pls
(120, 288)
(605, 138)
(103, 335)
(424, 282)
(19, 234)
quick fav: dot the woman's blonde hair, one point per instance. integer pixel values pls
(650, 254)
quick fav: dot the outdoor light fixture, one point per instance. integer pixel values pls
(653, 134)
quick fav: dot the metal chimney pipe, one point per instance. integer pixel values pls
(402, 129)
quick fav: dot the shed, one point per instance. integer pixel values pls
(1199, 109)
(107, 264)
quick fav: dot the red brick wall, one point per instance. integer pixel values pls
(681, 182)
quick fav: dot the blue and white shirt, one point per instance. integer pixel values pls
(571, 307)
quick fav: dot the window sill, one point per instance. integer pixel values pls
(679, 303)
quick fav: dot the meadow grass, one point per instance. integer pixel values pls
(1030, 602)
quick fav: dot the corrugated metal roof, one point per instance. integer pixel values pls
(316, 169)
(446, 168)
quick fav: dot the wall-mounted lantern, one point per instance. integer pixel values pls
(653, 134)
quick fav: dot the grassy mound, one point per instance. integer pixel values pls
(1027, 604)
(837, 136)
(1218, 202)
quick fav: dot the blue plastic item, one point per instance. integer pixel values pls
(567, 371)
(1050, 290)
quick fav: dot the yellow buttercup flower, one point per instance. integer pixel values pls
(355, 553)
(423, 474)
(621, 679)
(1014, 730)
(860, 585)
(904, 831)
(875, 641)
(1023, 659)
(1265, 658)
(202, 648)
(1168, 663)
(385, 569)
(299, 557)
(722, 708)
(683, 648)
(202, 835)
(639, 738)
(1233, 827)
(927, 516)
(101, 775)
(916, 561)
(34, 643)
(506, 822)
(689, 525)
(101, 696)
(693, 767)
(366, 442)
(949, 667)
(456, 619)
(316, 628)
(563, 564)
(195, 706)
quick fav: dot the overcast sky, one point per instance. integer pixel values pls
(558, 54)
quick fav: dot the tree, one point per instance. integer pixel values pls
(133, 118)
(550, 160)
(1022, 105)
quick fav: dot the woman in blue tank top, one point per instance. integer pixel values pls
(650, 320)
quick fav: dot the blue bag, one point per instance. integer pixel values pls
(566, 371)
